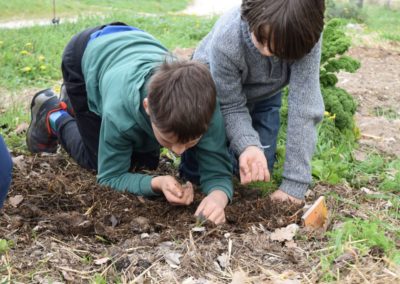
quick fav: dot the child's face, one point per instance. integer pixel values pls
(263, 49)
(169, 140)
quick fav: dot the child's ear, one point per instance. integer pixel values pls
(146, 105)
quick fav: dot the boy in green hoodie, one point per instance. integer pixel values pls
(122, 99)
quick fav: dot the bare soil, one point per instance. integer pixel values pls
(376, 87)
(65, 218)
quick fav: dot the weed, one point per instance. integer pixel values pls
(361, 237)
(5, 246)
(87, 259)
(388, 113)
(171, 156)
(376, 171)
(99, 279)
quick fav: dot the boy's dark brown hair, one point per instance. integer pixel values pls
(182, 99)
(289, 28)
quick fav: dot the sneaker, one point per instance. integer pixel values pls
(40, 137)
(64, 98)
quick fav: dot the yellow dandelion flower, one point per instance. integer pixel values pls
(57, 89)
(41, 58)
(26, 69)
(42, 67)
(333, 117)
(24, 52)
(327, 113)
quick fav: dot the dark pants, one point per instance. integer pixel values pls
(265, 120)
(5, 171)
(80, 137)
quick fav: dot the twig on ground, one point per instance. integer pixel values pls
(77, 271)
(5, 259)
(306, 277)
(359, 272)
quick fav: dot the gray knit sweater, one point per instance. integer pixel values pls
(242, 75)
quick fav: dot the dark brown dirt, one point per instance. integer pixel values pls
(64, 210)
(62, 198)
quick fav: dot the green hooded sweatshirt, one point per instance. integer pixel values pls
(116, 68)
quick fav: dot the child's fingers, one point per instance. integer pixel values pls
(217, 216)
(245, 174)
(254, 171)
(261, 172)
(188, 196)
(267, 176)
(187, 185)
(176, 189)
(200, 209)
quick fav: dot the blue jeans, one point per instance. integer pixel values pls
(5, 171)
(265, 120)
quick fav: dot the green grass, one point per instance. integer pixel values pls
(360, 237)
(383, 21)
(9, 120)
(376, 171)
(21, 9)
(5, 246)
(388, 113)
(30, 57)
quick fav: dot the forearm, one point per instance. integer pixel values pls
(240, 131)
(138, 184)
(305, 111)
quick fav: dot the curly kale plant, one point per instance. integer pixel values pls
(337, 101)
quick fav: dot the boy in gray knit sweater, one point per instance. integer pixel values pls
(253, 52)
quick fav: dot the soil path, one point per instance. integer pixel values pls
(376, 87)
(18, 24)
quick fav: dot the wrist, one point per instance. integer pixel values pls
(156, 184)
(253, 147)
(220, 196)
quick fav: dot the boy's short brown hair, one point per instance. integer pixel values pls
(182, 99)
(289, 28)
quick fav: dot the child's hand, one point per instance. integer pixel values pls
(281, 196)
(212, 207)
(173, 191)
(253, 165)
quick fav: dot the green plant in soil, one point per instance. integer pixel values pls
(361, 238)
(337, 101)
